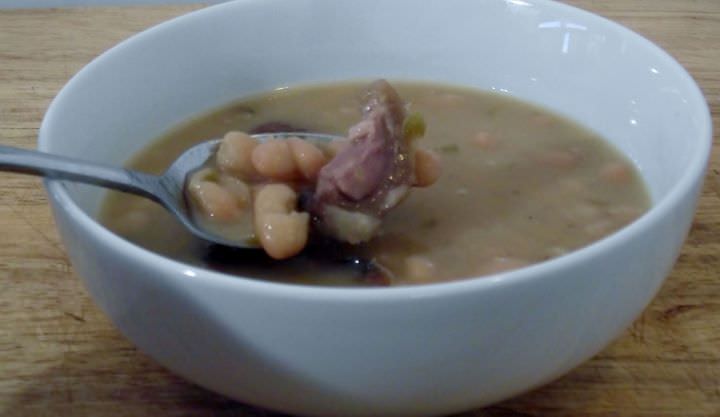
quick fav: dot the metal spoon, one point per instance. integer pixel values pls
(166, 189)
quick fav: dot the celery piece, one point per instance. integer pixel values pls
(413, 126)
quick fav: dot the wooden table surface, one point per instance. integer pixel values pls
(59, 356)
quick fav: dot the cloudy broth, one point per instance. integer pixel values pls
(519, 185)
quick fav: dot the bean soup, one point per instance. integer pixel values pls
(517, 185)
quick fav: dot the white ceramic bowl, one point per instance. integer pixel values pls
(422, 350)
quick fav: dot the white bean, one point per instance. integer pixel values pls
(274, 160)
(616, 173)
(238, 188)
(560, 158)
(215, 201)
(419, 268)
(282, 231)
(308, 157)
(234, 155)
(427, 167)
(485, 141)
(501, 264)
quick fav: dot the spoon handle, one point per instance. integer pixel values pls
(64, 168)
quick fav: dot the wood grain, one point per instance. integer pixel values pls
(59, 356)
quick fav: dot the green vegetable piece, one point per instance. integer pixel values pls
(429, 223)
(413, 126)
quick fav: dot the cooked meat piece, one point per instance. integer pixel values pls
(371, 175)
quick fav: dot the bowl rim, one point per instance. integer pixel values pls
(179, 270)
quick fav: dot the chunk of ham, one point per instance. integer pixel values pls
(369, 176)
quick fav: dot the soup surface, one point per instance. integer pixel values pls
(519, 185)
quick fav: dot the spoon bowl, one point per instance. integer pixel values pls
(167, 189)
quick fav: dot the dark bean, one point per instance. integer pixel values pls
(276, 127)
